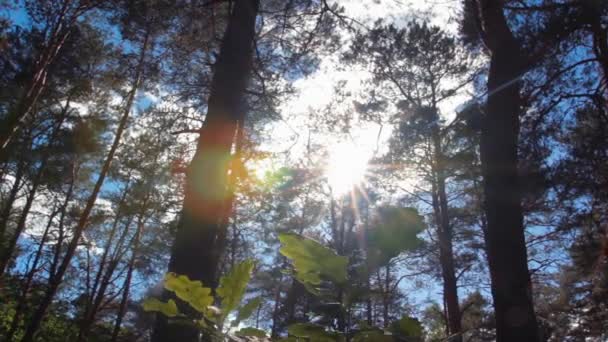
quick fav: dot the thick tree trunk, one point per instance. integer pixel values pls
(444, 234)
(511, 286)
(195, 249)
(55, 281)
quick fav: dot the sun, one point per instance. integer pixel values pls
(346, 168)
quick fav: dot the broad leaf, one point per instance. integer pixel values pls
(232, 286)
(372, 336)
(312, 261)
(251, 332)
(168, 309)
(246, 310)
(190, 291)
(395, 232)
(407, 327)
(313, 332)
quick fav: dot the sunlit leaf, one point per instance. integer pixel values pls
(190, 291)
(232, 286)
(312, 261)
(168, 309)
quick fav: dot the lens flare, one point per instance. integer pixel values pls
(346, 168)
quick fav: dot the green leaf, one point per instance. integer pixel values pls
(395, 232)
(190, 291)
(407, 327)
(168, 309)
(372, 336)
(314, 332)
(232, 286)
(246, 310)
(251, 332)
(312, 261)
(288, 339)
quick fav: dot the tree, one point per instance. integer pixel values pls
(423, 67)
(57, 21)
(207, 193)
(506, 247)
(54, 282)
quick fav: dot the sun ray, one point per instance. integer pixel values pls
(346, 168)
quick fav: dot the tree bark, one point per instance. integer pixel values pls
(59, 33)
(386, 296)
(600, 37)
(99, 289)
(22, 300)
(127, 284)
(194, 252)
(55, 281)
(7, 252)
(369, 313)
(511, 285)
(274, 330)
(8, 205)
(89, 306)
(444, 234)
(60, 228)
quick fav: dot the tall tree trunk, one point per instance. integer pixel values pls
(229, 205)
(7, 252)
(369, 312)
(386, 296)
(291, 299)
(593, 11)
(90, 316)
(511, 285)
(8, 205)
(444, 234)
(98, 291)
(60, 226)
(194, 251)
(91, 296)
(274, 330)
(59, 33)
(127, 284)
(22, 300)
(55, 281)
